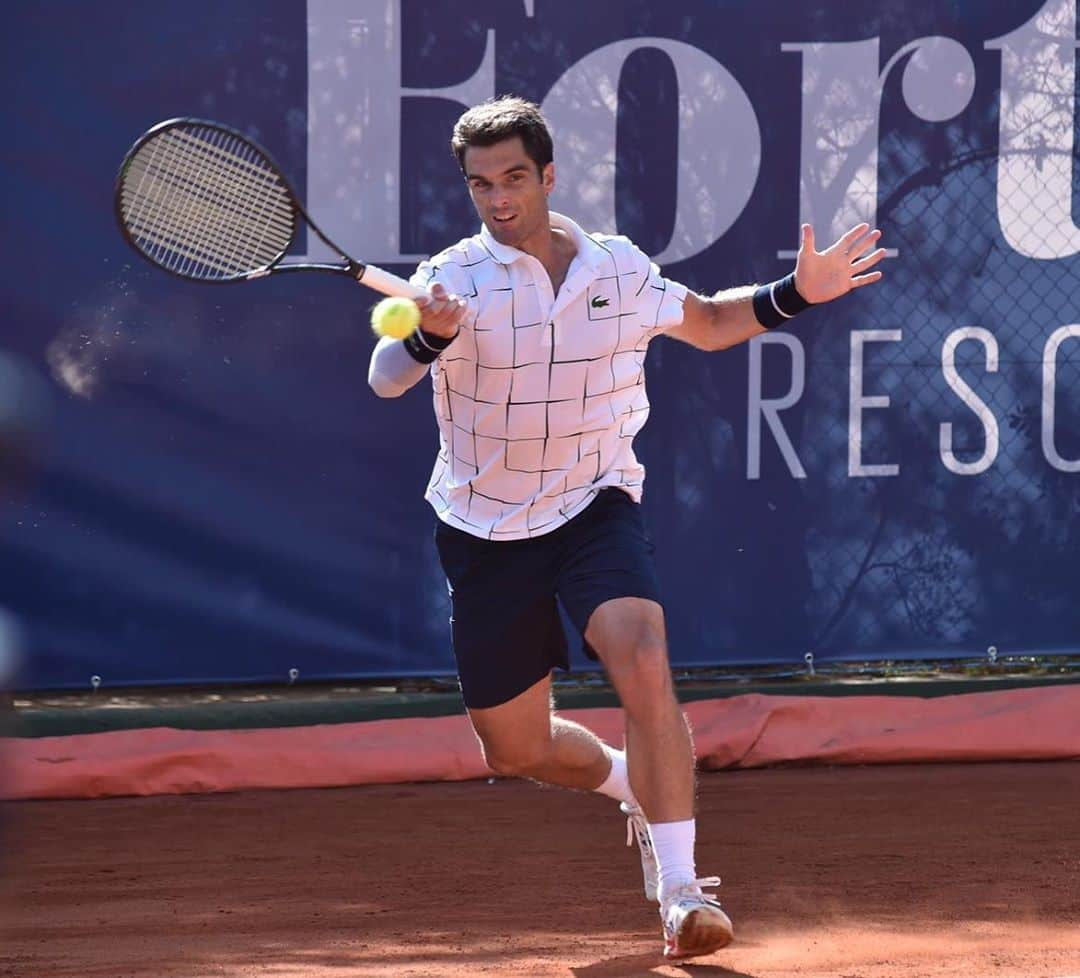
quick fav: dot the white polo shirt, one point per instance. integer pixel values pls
(540, 396)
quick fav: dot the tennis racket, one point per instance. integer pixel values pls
(202, 201)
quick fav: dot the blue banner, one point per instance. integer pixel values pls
(218, 496)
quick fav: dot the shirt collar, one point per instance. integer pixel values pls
(588, 250)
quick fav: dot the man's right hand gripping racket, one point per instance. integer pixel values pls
(206, 203)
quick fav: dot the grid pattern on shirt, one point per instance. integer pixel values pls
(536, 412)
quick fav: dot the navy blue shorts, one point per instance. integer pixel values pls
(505, 625)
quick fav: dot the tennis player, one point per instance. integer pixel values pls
(535, 336)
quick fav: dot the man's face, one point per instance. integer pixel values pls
(509, 194)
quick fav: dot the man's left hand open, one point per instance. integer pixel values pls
(824, 275)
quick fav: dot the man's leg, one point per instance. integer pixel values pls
(507, 637)
(524, 739)
(629, 637)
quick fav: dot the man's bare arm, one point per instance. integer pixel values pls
(729, 318)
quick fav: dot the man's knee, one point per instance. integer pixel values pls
(635, 656)
(643, 665)
(638, 652)
(514, 760)
(628, 635)
(515, 736)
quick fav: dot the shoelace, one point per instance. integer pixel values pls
(637, 831)
(695, 890)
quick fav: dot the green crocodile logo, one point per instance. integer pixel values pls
(598, 302)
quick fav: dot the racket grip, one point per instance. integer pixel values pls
(381, 281)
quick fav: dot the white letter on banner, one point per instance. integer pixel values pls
(1049, 389)
(971, 399)
(841, 110)
(354, 124)
(719, 142)
(772, 407)
(857, 402)
(1037, 134)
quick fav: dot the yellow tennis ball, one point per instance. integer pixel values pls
(395, 316)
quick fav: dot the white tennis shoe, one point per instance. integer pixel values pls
(694, 923)
(638, 829)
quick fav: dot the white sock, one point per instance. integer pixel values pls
(617, 784)
(673, 843)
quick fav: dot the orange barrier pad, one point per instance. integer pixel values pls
(741, 732)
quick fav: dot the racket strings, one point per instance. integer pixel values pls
(180, 238)
(261, 188)
(183, 200)
(160, 223)
(204, 192)
(202, 205)
(205, 203)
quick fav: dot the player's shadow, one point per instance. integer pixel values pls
(648, 965)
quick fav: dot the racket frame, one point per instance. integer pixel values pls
(366, 274)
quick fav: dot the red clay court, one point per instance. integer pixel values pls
(855, 871)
